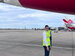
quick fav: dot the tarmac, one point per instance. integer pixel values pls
(29, 43)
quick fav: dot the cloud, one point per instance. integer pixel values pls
(18, 17)
(38, 15)
(6, 7)
(35, 14)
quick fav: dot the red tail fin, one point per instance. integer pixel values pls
(65, 21)
(69, 21)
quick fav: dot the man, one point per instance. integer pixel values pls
(47, 40)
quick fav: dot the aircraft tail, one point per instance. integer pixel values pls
(69, 21)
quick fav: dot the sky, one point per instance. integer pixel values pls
(19, 17)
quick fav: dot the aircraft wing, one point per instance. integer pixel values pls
(61, 6)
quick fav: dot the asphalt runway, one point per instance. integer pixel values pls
(29, 43)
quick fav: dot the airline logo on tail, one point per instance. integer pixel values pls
(68, 21)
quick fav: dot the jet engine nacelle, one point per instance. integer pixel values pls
(12, 2)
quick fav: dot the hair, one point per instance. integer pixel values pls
(46, 26)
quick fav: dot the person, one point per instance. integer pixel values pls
(47, 39)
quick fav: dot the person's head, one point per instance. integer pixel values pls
(46, 27)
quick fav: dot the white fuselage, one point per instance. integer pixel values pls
(70, 25)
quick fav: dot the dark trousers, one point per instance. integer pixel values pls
(45, 50)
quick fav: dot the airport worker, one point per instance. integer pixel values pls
(46, 40)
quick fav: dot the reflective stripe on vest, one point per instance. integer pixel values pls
(48, 38)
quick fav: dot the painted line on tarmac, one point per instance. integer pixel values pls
(52, 46)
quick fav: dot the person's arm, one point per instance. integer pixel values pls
(44, 37)
(51, 38)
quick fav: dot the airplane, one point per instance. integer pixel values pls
(60, 6)
(69, 23)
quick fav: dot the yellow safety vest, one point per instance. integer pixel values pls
(48, 38)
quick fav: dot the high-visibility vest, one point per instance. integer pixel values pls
(47, 38)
